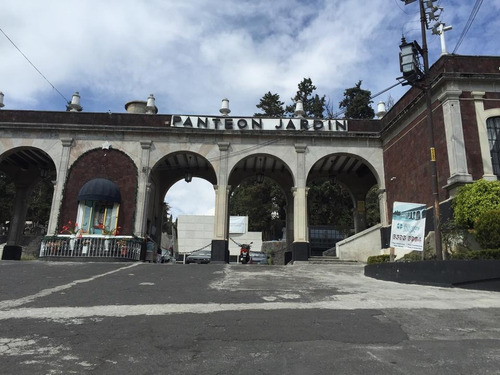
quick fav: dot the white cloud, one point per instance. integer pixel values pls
(191, 54)
(194, 198)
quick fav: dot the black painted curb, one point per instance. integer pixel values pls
(470, 274)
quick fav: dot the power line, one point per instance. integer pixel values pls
(471, 19)
(33, 65)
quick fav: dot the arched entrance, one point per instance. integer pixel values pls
(337, 199)
(272, 177)
(28, 169)
(181, 167)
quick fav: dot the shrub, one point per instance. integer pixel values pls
(487, 229)
(414, 256)
(474, 199)
(374, 259)
(476, 254)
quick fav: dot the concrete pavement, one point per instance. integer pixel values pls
(107, 318)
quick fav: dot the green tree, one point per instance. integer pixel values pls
(314, 105)
(263, 203)
(271, 105)
(166, 224)
(372, 207)
(474, 199)
(329, 204)
(7, 195)
(40, 203)
(356, 103)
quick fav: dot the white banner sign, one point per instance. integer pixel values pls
(237, 224)
(408, 226)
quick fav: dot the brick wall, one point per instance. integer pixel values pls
(407, 162)
(111, 164)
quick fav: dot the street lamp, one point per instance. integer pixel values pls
(409, 62)
(409, 58)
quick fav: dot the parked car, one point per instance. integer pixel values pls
(258, 257)
(200, 257)
(165, 256)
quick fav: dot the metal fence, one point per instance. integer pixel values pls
(91, 246)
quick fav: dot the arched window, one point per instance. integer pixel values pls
(493, 127)
(99, 206)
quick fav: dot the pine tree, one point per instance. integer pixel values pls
(314, 105)
(271, 105)
(357, 102)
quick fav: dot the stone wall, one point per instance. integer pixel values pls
(275, 250)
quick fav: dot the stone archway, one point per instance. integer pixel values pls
(169, 170)
(351, 178)
(260, 167)
(27, 168)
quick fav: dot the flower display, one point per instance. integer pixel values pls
(106, 231)
(70, 228)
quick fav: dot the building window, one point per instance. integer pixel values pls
(94, 215)
(98, 206)
(493, 127)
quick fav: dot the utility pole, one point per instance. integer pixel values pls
(421, 79)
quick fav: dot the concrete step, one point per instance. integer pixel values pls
(328, 260)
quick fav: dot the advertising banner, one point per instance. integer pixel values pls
(408, 225)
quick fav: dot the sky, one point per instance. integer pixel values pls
(193, 53)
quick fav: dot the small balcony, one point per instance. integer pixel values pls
(120, 248)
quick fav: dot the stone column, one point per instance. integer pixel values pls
(59, 184)
(300, 248)
(25, 180)
(455, 142)
(382, 204)
(220, 246)
(359, 216)
(289, 225)
(483, 136)
(143, 190)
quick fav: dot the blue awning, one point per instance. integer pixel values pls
(100, 189)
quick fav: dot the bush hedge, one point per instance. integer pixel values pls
(476, 254)
(474, 199)
(487, 229)
(378, 259)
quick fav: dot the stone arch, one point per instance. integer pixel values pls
(354, 173)
(175, 166)
(168, 170)
(110, 164)
(345, 164)
(265, 165)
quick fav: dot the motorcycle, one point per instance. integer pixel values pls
(245, 253)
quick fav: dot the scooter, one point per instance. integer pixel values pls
(245, 253)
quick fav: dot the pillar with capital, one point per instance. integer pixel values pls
(220, 246)
(478, 97)
(300, 247)
(62, 173)
(143, 190)
(455, 141)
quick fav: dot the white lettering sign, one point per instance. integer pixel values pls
(257, 123)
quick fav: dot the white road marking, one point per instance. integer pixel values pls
(340, 303)
(46, 292)
(280, 289)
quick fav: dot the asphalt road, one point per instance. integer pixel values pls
(116, 318)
